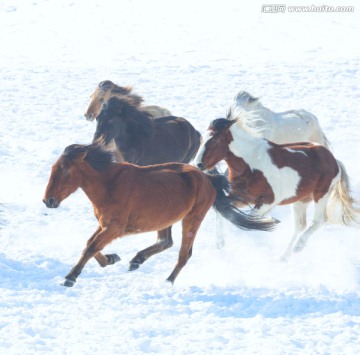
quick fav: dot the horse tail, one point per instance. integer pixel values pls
(327, 143)
(225, 205)
(195, 141)
(318, 136)
(342, 207)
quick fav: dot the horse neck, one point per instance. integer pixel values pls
(237, 166)
(245, 145)
(140, 126)
(265, 115)
(95, 183)
(264, 112)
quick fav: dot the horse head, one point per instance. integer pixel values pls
(215, 146)
(244, 98)
(124, 121)
(103, 92)
(65, 177)
(111, 121)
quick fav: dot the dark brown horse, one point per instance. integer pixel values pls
(265, 174)
(142, 140)
(129, 199)
(107, 89)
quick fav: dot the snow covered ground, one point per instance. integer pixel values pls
(191, 57)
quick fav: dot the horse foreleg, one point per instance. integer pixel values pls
(164, 241)
(299, 218)
(96, 243)
(103, 260)
(219, 231)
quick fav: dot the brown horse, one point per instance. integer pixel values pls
(265, 174)
(129, 199)
(107, 89)
(141, 140)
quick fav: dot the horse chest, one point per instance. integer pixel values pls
(252, 188)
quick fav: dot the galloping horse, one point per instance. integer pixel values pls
(142, 140)
(129, 199)
(279, 127)
(107, 89)
(265, 174)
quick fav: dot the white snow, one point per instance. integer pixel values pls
(191, 57)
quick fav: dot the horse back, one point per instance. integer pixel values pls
(177, 139)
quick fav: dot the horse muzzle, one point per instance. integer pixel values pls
(51, 202)
(89, 116)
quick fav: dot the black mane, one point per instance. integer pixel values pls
(139, 122)
(96, 155)
(220, 123)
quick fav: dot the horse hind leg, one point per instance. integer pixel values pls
(219, 231)
(299, 217)
(190, 226)
(318, 220)
(164, 241)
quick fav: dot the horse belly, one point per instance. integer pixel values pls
(158, 206)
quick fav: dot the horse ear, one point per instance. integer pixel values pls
(82, 156)
(106, 84)
(231, 122)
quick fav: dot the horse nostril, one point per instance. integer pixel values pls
(200, 166)
(89, 116)
(51, 202)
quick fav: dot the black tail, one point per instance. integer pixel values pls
(225, 205)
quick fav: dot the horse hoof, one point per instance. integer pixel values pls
(112, 258)
(284, 258)
(68, 283)
(298, 248)
(220, 245)
(133, 266)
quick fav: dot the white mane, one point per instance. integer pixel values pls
(250, 121)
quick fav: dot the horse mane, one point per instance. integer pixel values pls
(139, 122)
(250, 121)
(96, 155)
(117, 90)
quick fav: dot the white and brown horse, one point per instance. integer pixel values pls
(107, 89)
(264, 174)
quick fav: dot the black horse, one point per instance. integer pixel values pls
(142, 140)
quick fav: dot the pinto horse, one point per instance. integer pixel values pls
(278, 127)
(107, 89)
(130, 199)
(265, 174)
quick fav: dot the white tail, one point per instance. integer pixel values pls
(342, 208)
